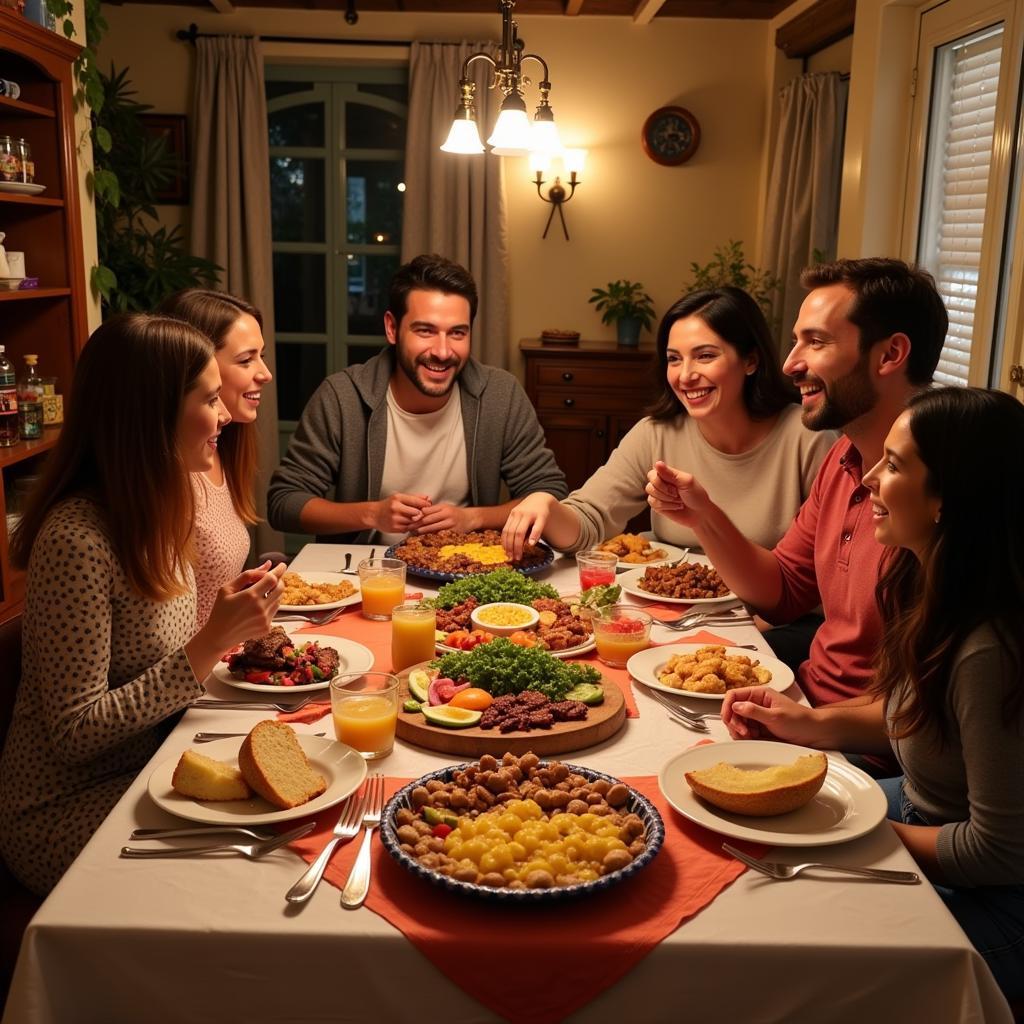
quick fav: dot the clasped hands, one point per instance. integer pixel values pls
(416, 513)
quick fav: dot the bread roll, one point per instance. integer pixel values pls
(274, 764)
(761, 792)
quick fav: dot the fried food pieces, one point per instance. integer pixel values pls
(711, 670)
(631, 547)
(298, 591)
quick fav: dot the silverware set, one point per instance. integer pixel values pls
(786, 871)
(711, 618)
(209, 737)
(254, 850)
(695, 720)
(313, 618)
(360, 811)
(348, 562)
(251, 705)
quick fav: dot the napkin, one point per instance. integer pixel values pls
(574, 951)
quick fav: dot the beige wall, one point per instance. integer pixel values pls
(630, 217)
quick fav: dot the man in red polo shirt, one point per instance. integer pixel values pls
(867, 337)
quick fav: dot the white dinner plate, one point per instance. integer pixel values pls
(352, 657)
(25, 188)
(671, 554)
(325, 577)
(849, 804)
(629, 581)
(569, 652)
(342, 767)
(644, 667)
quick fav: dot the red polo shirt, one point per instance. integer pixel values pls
(829, 556)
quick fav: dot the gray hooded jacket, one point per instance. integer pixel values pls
(337, 451)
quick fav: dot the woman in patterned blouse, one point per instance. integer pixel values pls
(110, 648)
(224, 493)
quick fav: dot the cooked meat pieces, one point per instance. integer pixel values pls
(689, 580)
(569, 711)
(456, 617)
(327, 660)
(264, 652)
(521, 712)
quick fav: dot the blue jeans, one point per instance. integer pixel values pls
(991, 916)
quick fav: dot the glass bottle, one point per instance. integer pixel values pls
(30, 401)
(8, 403)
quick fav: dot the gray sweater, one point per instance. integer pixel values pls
(337, 452)
(974, 786)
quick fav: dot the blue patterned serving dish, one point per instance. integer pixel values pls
(447, 577)
(654, 830)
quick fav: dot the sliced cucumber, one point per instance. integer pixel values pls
(451, 718)
(419, 684)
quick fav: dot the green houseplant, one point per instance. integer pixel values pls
(729, 266)
(625, 304)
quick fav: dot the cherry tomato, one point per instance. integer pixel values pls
(521, 638)
(455, 638)
(441, 830)
(472, 698)
(257, 677)
(477, 637)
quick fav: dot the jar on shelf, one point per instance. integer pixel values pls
(10, 159)
(28, 167)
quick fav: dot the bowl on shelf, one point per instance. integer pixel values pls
(503, 618)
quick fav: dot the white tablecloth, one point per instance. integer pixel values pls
(212, 939)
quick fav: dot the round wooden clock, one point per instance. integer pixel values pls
(670, 136)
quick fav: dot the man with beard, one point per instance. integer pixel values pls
(867, 337)
(418, 438)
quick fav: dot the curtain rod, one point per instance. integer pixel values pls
(192, 33)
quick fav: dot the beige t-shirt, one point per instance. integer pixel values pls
(761, 490)
(426, 454)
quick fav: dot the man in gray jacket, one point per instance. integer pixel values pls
(418, 438)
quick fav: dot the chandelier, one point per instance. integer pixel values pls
(514, 134)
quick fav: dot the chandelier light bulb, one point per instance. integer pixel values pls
(544, 138)
(463, 138)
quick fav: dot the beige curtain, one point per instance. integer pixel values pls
(455, 205)
(803, 190)
(231, 205)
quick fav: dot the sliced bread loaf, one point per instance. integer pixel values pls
(203, 778)
(275, 765)
(761, 792)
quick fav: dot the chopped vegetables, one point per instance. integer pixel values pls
(500, 585)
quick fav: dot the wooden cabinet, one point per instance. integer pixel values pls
(587, 397)
(51, 320)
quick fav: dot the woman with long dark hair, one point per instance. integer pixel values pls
(224, 500)
(948, 498)
(110, 648)
(723, 410)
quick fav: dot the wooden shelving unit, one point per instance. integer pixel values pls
(51, 320)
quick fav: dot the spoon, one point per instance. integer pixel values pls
(348, 561)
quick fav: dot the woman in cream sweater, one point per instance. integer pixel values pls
(725, 412)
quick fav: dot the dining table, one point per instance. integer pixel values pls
(212, 938)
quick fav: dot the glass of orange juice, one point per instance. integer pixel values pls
(365, 709)
(382, 582)
(620, 632)
(412, 634)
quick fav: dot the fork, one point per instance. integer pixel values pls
(253, 850)
(242, 705)
(346, 828)
(787, 871)
(713, 618)
(358, 884)
(314, 618)
(695, 722)
(202, 830)
(209, 737)
(671, 705)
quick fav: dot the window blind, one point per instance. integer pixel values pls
(959, 154)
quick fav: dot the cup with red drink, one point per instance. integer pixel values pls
(597, 568)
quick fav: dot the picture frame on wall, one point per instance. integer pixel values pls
(174, 128)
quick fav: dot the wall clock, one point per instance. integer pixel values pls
(670, 136)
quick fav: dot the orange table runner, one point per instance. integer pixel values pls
(575, 949)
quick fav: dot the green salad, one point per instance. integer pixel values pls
(502, 667)
(500, 585)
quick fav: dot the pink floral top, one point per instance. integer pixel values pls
(222, 543)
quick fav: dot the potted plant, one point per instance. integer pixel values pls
(628, 306)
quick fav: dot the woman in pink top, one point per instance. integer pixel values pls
(225, 506)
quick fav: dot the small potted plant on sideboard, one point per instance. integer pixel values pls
(628, 306)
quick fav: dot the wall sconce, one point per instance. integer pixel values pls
(572, 163)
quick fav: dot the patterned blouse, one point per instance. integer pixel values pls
(102, 667)
(222, 543)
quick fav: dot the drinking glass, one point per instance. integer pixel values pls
(620, 632)
(412, 634)
(597, 568)
(382, 582)
(365, 709)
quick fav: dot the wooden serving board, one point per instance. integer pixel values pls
(601, 722)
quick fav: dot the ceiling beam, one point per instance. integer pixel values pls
(821, 25)
(646, 10)
(573, 7)
(223, 6)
